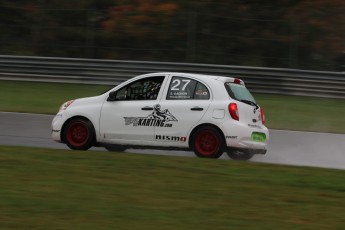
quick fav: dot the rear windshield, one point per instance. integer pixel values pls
(238, 92)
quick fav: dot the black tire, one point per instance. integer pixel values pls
(240, 155)
(79, 134)
(207, 142)
(115, 148)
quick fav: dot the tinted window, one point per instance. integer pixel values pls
(185, 89)
(201, 92)
(238, 92)
(143, 89)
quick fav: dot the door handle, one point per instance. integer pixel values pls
(147, 108)
(197, 109)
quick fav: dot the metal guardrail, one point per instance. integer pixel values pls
(113, 72)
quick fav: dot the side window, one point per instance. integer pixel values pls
(186, 89)
(143, 89)
(201, 92)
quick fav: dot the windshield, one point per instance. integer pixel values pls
(239, 92)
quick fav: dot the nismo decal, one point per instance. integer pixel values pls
(171, 138)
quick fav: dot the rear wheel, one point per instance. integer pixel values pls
(207, 142)
(240, 155)
(79, 134)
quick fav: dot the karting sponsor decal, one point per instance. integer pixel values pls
(158, 118)
(171, 138)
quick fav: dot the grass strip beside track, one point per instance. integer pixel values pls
(45, 98)
(303, 113)
(57, 189)
(282, 112)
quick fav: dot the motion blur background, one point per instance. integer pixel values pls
(49, 188)
(300, 34)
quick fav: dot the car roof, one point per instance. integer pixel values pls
(204, 77)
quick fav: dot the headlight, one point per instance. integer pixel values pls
(65, 105)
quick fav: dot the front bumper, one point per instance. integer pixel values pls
(56, 135)
(57, 123)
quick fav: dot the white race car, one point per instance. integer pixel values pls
(207, 114)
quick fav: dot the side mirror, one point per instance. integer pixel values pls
(112, 96)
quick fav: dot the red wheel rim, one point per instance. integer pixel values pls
(77, 134)
(207, 143)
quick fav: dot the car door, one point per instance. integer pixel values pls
(185, 102)
(126, 115)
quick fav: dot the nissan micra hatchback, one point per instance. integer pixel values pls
(207, 114)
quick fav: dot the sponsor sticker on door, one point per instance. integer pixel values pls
(158, 118)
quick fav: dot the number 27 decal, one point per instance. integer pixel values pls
(175, 85)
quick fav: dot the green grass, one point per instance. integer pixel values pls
(56, 189)
(33, 97)
(303, 113)
(282, 112)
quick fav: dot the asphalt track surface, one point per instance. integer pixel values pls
(285, 147)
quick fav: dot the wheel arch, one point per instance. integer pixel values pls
(72, 118)
(205, 125)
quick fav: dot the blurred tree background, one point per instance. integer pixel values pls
(302, 34)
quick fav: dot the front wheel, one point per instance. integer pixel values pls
(79, 134)
(207, 142)
(240, 155)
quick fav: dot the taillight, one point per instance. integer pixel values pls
(262, 114)
(234, 111)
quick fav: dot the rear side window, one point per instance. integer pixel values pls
(239, 92)
(181, 88)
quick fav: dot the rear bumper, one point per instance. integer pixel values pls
(245, 138)
(252, 151)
